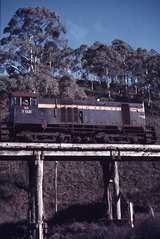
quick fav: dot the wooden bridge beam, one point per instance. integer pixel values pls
(36, 208)
(117, 191)
(38, 153)
(39, 192)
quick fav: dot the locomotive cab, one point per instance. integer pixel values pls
(21, 105)
(23, 99)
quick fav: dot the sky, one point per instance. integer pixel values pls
(136, 22)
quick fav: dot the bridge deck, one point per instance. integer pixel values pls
(63, 151)
(46, 151)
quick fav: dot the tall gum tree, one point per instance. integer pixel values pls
(31, 39)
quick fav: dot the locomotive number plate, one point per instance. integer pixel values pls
(26, 111)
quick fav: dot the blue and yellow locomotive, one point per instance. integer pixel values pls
(38, 119)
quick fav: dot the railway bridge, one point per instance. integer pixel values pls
(37, 153)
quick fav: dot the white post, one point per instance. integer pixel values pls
(56, 186)
(117, 191)
(131, 210)
(39, 196)
(151, 211)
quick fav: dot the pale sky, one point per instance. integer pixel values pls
(134, 21)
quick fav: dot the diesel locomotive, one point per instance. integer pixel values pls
(39, 119)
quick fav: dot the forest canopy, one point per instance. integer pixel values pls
(36, 56)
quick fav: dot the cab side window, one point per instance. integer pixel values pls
(25, 101)
(15, 100)
(33, 101)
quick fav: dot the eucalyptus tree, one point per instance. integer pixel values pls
(70, 89)
(32, 39)
(123, 49)
(102, 61)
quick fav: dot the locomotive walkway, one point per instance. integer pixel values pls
(40, 152)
